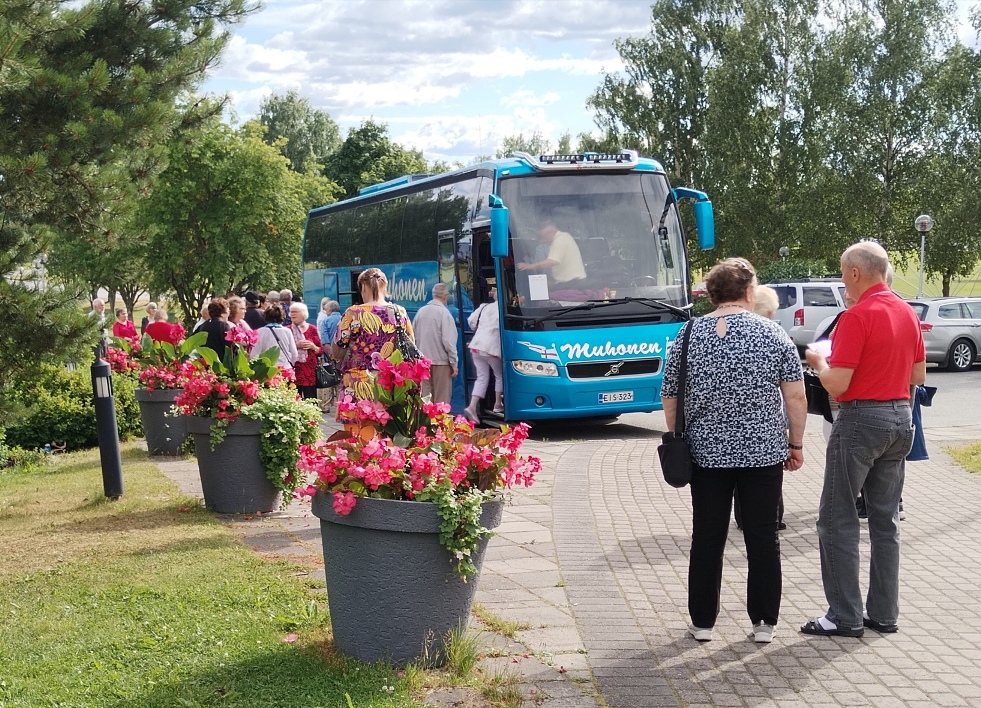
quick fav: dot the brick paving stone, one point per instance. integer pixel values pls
(596, 553)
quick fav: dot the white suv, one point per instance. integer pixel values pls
(804, 304)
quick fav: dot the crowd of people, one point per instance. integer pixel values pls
(872, 370)
(277, 319)
(352, 339)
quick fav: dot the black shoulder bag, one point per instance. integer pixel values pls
(327, 374)
(673, 452)
(407, 348)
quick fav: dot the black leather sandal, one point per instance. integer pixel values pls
(814, 627)
(879, 627)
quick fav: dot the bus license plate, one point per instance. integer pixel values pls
(616, 397)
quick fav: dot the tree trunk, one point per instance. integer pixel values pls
(947, 276)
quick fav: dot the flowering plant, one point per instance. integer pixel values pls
(253, 388)
(156, 365)
(221, 388)
(422, 453)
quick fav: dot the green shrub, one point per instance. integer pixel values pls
(17, 459)
(794, 269)
(57, 408)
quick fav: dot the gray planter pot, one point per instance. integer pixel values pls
(164, 435)
(392, 591)
(233, 479)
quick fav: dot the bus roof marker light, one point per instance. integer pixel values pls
(627, 159)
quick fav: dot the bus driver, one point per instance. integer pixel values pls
(563, 255)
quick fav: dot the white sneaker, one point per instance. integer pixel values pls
(702, 635)
(763, 632)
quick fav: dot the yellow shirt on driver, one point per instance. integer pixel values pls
(565, 252)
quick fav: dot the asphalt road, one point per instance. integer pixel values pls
(956, 404)
(958, 399)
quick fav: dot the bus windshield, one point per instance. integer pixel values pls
(592, 247)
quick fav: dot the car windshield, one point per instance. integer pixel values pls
(591, 247)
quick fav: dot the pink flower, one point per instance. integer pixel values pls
(435, 409)
(343, 503)
(304, 492)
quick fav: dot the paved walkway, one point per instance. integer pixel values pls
(592, 560)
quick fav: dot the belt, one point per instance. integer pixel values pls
(896, 403)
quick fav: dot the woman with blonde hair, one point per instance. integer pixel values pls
(365, 330)
(236, 313)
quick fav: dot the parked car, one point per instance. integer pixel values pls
(804, 304)
(951, 329)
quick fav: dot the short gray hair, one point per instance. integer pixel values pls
(869, 257)
(333, 306)
(285, 294)
(441, 290)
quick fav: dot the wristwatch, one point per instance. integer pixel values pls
(795, 447)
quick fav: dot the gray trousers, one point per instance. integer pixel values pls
(439, 384)
(867, 448)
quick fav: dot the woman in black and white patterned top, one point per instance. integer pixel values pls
(744, 389)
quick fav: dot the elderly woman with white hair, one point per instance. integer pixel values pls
(308, 348)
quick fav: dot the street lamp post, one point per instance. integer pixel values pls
(923, 224)
(784, 252)
(105, 421)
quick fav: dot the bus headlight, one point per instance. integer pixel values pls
(535, 368)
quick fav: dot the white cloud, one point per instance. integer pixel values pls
(526, 97)
(350, 55)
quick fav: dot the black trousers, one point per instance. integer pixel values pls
(712, 489)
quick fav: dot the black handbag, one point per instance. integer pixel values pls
(407, 348)
(327, 374)
(673, 452)
(818, 400)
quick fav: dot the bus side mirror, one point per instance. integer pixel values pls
(704, 215)
(499, 220)
(705, 223)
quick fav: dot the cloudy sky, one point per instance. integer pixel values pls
(449, 77)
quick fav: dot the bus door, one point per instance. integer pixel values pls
(451, 245)
(476, 275)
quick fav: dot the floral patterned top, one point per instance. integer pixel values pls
(368, 333)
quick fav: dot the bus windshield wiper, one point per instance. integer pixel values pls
(595, 304)
(588, 305)
(656, 304)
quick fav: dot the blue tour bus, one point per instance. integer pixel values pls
(593, 346)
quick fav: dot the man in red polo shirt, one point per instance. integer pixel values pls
(877, 355)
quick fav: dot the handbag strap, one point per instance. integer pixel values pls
(280, 343)
(397, 317)
(679, 418)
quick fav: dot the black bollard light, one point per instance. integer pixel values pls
(105, 421)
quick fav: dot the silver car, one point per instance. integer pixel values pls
(951, 330)
(804, 304)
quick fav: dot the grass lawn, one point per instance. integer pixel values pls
(149, 601)
(968, 457)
